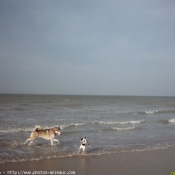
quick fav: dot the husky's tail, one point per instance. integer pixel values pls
(37, 127)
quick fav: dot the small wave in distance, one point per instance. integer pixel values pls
(122, 123)
(123, 129)
(167, 121)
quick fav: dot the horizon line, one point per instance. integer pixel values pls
(86, 95)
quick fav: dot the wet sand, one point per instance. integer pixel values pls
(155, 162)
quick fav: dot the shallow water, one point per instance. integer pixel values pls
(110, 123)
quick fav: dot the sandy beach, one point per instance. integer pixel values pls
(154, 162)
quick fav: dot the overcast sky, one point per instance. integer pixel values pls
(94, 47)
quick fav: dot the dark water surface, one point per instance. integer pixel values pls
(110, 123)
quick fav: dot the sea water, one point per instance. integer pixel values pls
(111, 124)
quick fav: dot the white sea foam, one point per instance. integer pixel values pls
(154, 112)
(172, 120)
(167, 121)
(149, 112)
(122, 123)
(13, 130)
(123, 129)
(132, 122)
(71, 125)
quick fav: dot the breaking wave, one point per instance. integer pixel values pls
(172, 120)
(123, 129)
(14, 129)
(72, 125)
(153, 112)
(167, 121)
(121, 123)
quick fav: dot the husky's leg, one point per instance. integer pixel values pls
(51, 141)
(29, 140)
(33, 136)
(26, 140)
(55, 140)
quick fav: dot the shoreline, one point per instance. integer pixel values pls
(158, 162)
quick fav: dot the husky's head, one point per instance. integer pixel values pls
(57, 130)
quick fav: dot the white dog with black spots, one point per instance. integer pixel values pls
(83, 145)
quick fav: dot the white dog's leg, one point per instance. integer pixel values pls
(79, 149)
(83, 152)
